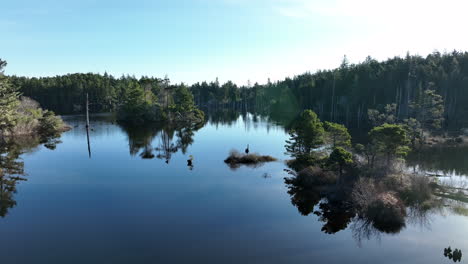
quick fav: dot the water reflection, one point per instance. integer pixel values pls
(334, 210)
(159, 141)
(449, 160)
(334, 205)
(455, 255)
(328, 205)
(12, 166)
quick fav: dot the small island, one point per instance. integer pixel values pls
(235, 159)
(365, 180)
(171, 104)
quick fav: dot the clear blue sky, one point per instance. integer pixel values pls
(239, 40)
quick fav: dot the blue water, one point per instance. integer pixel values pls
(119, 208)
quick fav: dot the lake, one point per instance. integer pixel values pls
(133, 199)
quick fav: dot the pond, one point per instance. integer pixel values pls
(133, 199)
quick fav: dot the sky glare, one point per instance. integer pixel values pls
(239, 40)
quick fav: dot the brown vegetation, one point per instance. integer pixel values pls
(314, 176)
(235, 159)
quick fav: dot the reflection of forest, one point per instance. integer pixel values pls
(169, 140)
(12, 167)
(250, 120)
(446, 159)
(334, 206)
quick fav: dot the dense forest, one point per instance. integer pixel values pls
(343, 95)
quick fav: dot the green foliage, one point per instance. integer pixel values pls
(390, 140)
(173, 103)
(337, 135)
(50, 124)
(429, 109)
(306, 135)
(413, 130)
(9, 101)
(340, 158)
(135, 104)
(342, 95)
(183, 100)
(369, 151)
(388, 116)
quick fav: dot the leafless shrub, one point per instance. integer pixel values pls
(27, 104)
(364, 193)
(235, 159)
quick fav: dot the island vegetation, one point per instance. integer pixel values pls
(366, 181)
(22, 116)
(236, 159)
(171, 104)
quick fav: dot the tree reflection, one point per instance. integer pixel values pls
(166, 146)
(12, 166)
(159, 141)
(330, 206)
(11, 172)
(333, 206)
(441, 158)
(315, 191)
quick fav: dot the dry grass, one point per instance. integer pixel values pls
(383, 208)
(235, 158)
(314, 176)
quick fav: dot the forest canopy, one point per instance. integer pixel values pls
(342, 95)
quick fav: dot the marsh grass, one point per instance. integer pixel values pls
(235, 159)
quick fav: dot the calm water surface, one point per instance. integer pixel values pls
(126, 204)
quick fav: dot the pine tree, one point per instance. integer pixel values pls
(9, 101)
(429, 109)
(307, 134)
(340, 158)
(391, 140)
(337, 135)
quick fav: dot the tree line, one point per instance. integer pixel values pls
(342, 95)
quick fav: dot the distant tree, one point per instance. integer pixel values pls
(306, 134)
(388, 115)
(339, 158)
(9, 101)
(413, 129)
(337, 134)
(183, 99)
(353, 89)
(49, 123)
(390, 140)
(134, 105)
(429, 109)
